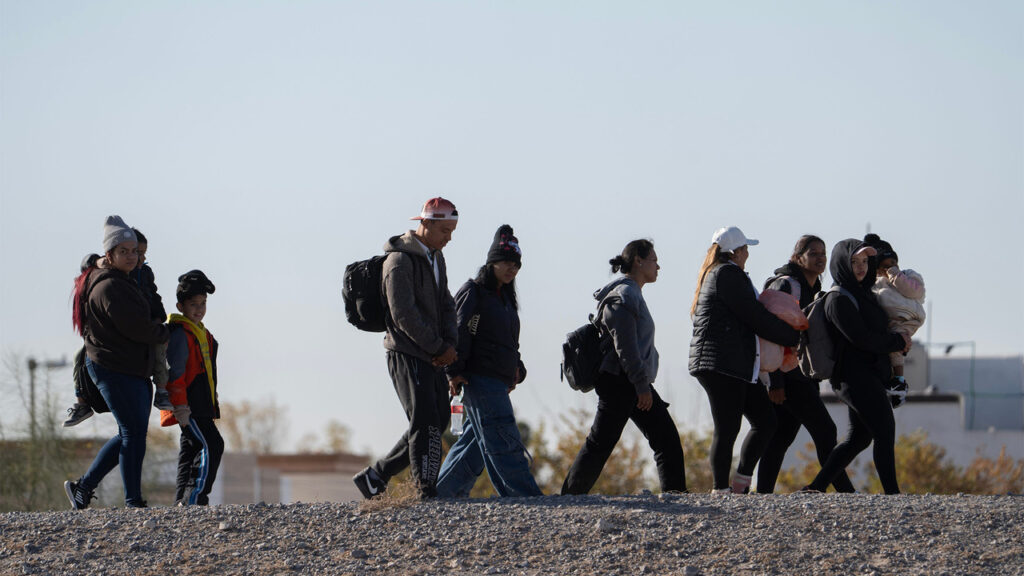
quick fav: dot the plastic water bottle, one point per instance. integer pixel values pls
(457, 415)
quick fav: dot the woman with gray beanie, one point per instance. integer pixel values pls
(112, 315)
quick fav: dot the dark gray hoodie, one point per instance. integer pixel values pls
(420, 318)
(626, 317)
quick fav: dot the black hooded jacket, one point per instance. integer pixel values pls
(726, 322)
(862, 333)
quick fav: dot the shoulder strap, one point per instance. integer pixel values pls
(840, 290)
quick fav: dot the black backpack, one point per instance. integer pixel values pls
(363, 293)
(85, 387)
(582, 352)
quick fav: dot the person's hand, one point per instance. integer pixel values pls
(777, 395)
(446, 358)
(645, 401)
(907, 344)
(183, 414)
(455, 385)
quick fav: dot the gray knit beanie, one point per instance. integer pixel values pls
(115, 231)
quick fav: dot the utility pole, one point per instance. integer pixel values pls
(32, 365)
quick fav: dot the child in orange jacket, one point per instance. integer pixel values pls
(192, 385)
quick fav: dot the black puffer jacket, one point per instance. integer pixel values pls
(488, 335)
(726, 321)
(862, 331)
(780, 281)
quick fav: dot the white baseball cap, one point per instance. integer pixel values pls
(731, 238)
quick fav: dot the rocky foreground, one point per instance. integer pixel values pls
(686, 534)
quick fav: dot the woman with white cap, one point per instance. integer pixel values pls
(112, 314)
(725, 357)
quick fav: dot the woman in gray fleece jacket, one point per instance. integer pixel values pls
(624, 384)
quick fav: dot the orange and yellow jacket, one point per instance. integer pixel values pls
(192, 380)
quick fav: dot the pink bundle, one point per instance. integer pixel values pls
(786, 307)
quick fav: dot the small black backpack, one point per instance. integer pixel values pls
(582, 352)
(363, 293)
(85, 386)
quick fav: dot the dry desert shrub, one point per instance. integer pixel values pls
(400, 494)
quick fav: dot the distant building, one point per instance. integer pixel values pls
(287, 478)
(969, 406)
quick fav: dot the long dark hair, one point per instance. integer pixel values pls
(635, 249)
(803, 245)
(485, 277)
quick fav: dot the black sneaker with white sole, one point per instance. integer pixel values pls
(897, 391)
(77, 414)
(78, 496)
(369, 483)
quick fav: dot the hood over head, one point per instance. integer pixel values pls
(842, 270)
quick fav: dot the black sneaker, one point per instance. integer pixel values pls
(369, 483)
(897, 391)
(78, 497)
(77, 414)
(139, 504)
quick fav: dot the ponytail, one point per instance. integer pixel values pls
(78, 303)
(714, 257)
(635, 249)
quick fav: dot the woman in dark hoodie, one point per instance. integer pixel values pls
(112, 314)
(624, 382)
(725, 356)
(488, 368)
(863, 342)
(797, 398)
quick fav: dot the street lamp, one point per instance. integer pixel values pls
(32, 365)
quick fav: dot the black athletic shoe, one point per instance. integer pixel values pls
(369, 483)
(76, 414)
(78, 497)
(139, 504)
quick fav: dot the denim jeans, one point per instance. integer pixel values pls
(490, 440)
(129, 398)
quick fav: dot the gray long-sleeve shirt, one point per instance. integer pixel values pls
(626, 317)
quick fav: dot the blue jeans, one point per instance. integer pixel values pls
(129, 398)
(490, 439)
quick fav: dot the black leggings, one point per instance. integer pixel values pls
(732, 399)
(871, 419)
(802, 406)
(616, 404)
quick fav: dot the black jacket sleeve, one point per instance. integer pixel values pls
(738, 294)
(465, 307)
(845, 316)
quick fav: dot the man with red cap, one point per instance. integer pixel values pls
(420, 341)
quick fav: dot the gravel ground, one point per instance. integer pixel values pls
(690, 534)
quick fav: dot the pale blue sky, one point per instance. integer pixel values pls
(272, 143)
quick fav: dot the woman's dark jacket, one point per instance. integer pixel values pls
(861, 331)
(726, 321)
(119, 332)
(781, 281)
(488, 326)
